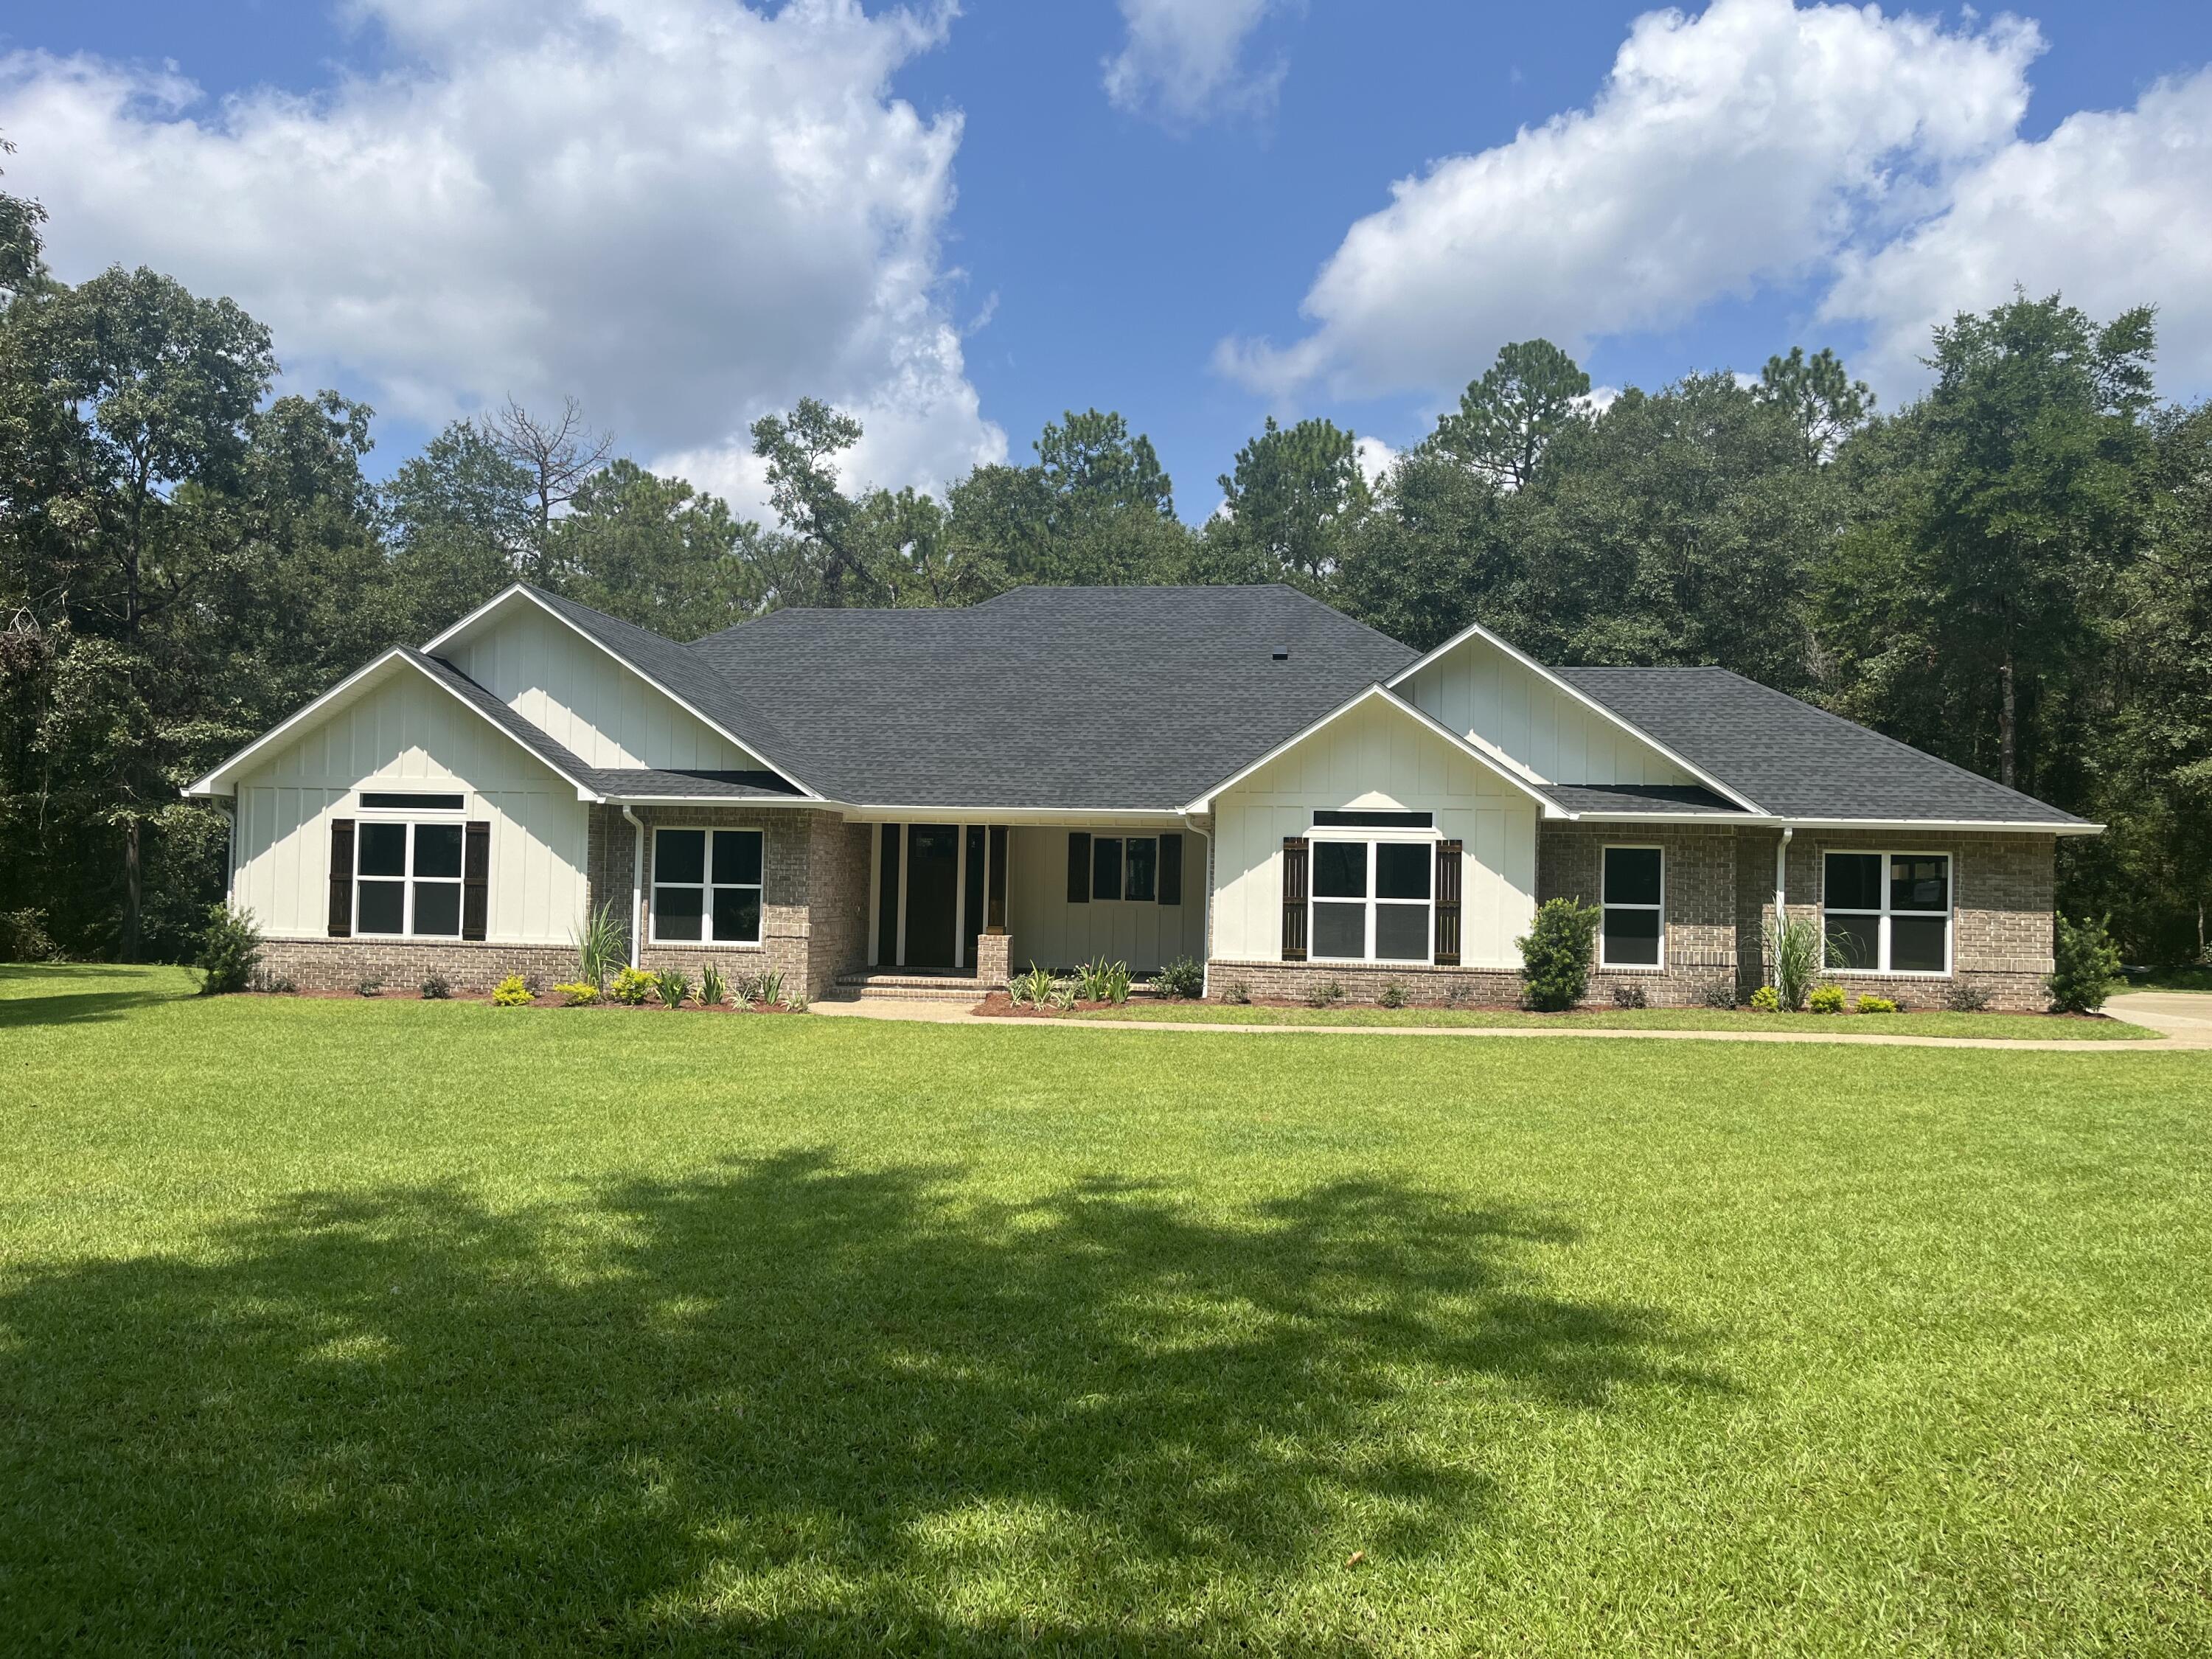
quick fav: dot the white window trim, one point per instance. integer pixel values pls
(388, 816)
(1605, 904)
(1339, 832)
(1950, 912)
(705, 888)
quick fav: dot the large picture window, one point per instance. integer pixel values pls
(1373, 901)
(1887, 913)
(707, 886)
(407, 879)
(1634, 897)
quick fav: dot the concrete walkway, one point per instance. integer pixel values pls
(2185, 1017)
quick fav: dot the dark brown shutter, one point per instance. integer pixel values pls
(1294, 898)
(476, 879)
(1171, 876)
(341, 878)
(1078, 866)
(1448, 879)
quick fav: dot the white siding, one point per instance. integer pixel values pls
(1377, 758)
(1049, 930)
(584, 699)
(1506, 707)
(405, 733)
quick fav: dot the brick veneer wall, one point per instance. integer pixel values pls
(471, 967)
(1227, 978)
(1698, 876)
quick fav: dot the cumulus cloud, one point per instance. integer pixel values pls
(1184, 60)
(1753, 144)
(685, 212)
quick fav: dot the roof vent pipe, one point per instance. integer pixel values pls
(1282, 653)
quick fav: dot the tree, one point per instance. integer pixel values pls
(1290, 507)
(801, 450)
(557, 456)
(654, 552)
(1434, 555)
(1507, 419)
(459, 520)
(1815, 392)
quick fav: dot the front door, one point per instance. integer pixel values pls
(933, 894)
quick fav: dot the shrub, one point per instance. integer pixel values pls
(1796, 947)
(23, 937)
(1965, 998)
(230, 950)
(2086, 961)
(601, 945)
(1063, 995)
(1871, 1004)
(1182, 979)
(1555, 958)
(273, 985)
(1240, 991)
(1032, 989)
(1766, 1001)
(1458, 994)
(1100, 980)
(796, 1002)
(578, 993)
(633, 987)
(368, 988)
(1392, 995)
(674, 988)
(435, 987)
(1718, 993)
(1326, 992)
(1631, 995)
(767, 990)
(1825, 999)
(512, 992)
(714, 990)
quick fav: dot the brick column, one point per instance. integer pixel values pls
(994, 956)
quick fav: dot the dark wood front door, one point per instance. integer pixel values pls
(932, 893)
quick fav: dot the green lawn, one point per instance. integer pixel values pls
(2041, 1026)
(400, 1326)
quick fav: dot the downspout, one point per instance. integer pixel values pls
(1782, 872)
(636, 877)
(1205, 929)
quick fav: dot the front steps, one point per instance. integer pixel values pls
(895, 985)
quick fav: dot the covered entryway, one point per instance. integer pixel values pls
(937, 888)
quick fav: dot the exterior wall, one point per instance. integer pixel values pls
(1047, 930)
(1374, 757)
(406, 733)
(1508, 708)
(810, 909)
(401, 964)
(1699, 882)
(584, 699)
(1228, 980)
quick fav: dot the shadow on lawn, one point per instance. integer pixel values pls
(71, 1000)
(789, 1403)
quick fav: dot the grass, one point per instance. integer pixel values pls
(402, 1326)
(1650, 1019)
(2168, 979)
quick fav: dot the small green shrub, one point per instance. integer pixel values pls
(1032, 989)
(1240, 991)
(1555, 957)
(1392, 995)
(1182, 979)
(673, 987)
(1100, 980)
(796, 1002)
(1718, 993)
(1825, 999)
(512, 992)
(1323, 994)
(579, 993)
(601, 942)
(1631, 995)
(230, 950)
(23, 937)
(273, 985)
(1797, 949)
(767, 989)
(1061, 996)
(1870, 1004)
(435, 987)
(2085, 963)
(1457, 995)
(1965, 998)
(1766, 1001)
(714, 990)
(633, 987)
(370, 987)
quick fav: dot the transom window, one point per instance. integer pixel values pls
(1887, 913)
(1634, 897)
(407, 879)
(1372, 901)
(707, 886)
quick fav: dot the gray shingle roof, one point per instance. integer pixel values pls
(640, 782)
(1686, 800)
(1797, 761)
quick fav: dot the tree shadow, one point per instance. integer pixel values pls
(76, 1007)
(787, 1403)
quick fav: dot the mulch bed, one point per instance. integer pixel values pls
(548, 1000)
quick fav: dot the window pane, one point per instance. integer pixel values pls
(679, 855)
(438, 907)
(1854, 882)
(1632, 875)
(383, 850)
(1339, 869)
(438, 849)
(1106, 867)
(1339, 930)
(381, 908)
(676, 912)
(736, 915)
(1401, 933)
(1144, 867)
(1920, 884)
(1402, 870)
(1915, 943)
(737, 857)
(1632, 938)
(1855, 943)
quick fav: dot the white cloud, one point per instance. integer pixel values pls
(2113, 208)
(1374, 457)
(1183, 60)
(1751, 145)
(684, 212)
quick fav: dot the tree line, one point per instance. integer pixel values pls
(2014, 571)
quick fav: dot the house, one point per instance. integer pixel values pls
(1241, 775)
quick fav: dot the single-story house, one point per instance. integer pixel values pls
(1240, 776)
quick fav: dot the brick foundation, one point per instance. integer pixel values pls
(469, 966)
(994, 954)
(1297, 981)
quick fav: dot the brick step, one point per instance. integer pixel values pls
(908, 988)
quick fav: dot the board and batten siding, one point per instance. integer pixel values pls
(407, 734)
(1052, 933)
(584, 700)
(1376, 759)
(1507, 708)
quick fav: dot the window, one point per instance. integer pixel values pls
(1372, 900)
(1887, 913)
(1633, 894)
(372, 802)
(1141, 869)
(407, 879)
(707, 886)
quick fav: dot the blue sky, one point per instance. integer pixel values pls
(963, 224)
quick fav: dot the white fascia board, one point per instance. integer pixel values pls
(468, 622)
(1134, 818)
(1476, 630)
(1545, 807)
(1771, 821)
(207, 787)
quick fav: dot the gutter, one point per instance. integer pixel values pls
(636, 880)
